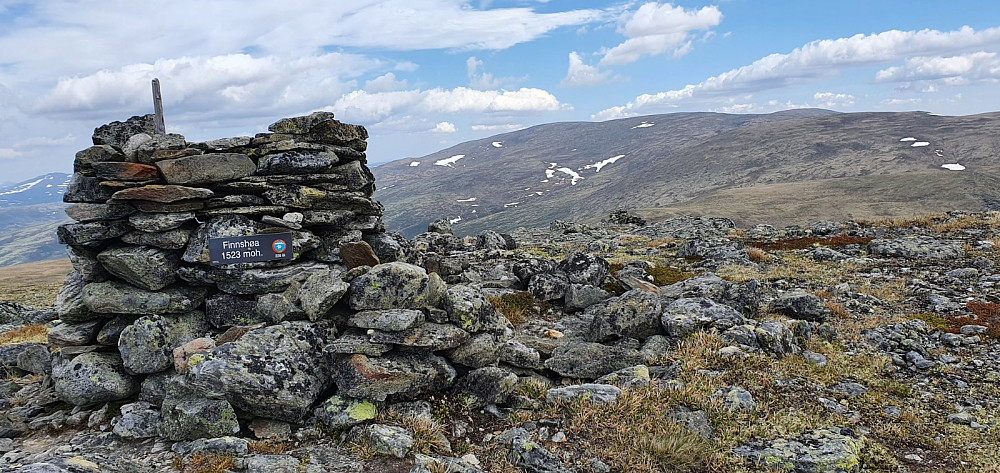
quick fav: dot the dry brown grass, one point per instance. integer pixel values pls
(198, 463)
(26, 334)
(267, 447)
(34, 284)
(758, 255)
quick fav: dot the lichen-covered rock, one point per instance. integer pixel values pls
(631, 377)
(734, 398)
(339, 413)
(320, 292)
(581, 296)
(139, 420)
(744, 297)
(224, 226)
(516, 353)
(482, 350)
(428, 335)
(484, 386)
(584, 268)
(271, 372)
(74, 334)
(469, 309)
(388, 320)
(91, 234)
(161, 193)
(685, 316)
(205, 168)
(635, 314)
(802, 306)
(87, 212)
(815, 451)
(917, 247)
(147, 345)
(145, 267)
(590, 360)
(390, 286)
(92, 378)
(384, 439)
(529, 455)
(593, 393)
(401, 375)
(548, 286)
(227, 310)
(69, 301)
(251, 281)
(114, 297)
(159, 222)
(187, 415)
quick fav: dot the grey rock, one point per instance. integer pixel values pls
(251, 281)
(84, 212)
(34, 358)
(187, 415)
(401, 375)
(581, 296)
(320, 292)
(340, 413)
(147, 345)
(518, 354)
(917, 247)
(431, 463)
(849, 389)
(817, 359)
(297, 162)
(631, 377)
(583, 268)
(69, 302)
(593, 393)
(531, 456)
(427, 335)
(139, 420)
(491, 240)
(775, 338)
(357, 342)
(801, 306)
(85, 159)
(635, 314)
(83, 189)
(485, 386)
(119, 298)
(469, 309)
(227, 310)
(225, 226)
(168, 240)
(75, 334)
(482, 350)
(206, 168)
(269, 372)
(441, 225)
(92, 378)
(384, 439)
(548, 286)
(91, 234)
(815, 451)
(389, 320)
(734, 398)
(159, 222)
(390, 286)
(591, 360)
(145, 267)
(688, 315)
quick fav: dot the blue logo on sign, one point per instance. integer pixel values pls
(278, 246)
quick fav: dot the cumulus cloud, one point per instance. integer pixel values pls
(814, 61)
(385, 83)
(444, 127)
(8, 153)
(365, 106)
(655, 29)
(953, 70)
(831, 100)
(582, 75)
(44, 141)
(479, 78)
(503, 127)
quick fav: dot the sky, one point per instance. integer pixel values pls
(423, 75)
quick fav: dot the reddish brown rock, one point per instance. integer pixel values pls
(122, 171)
(358, 253)
(164, 194)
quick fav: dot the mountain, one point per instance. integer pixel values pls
(44, 189)
(30, 211)
(790, 167)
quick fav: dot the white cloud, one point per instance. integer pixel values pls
(365, 106)
(478, 78)
(655, 29)
(953, 70)
(831, 100)
(8, 153)
(44, 141)
(503, 127)
(444, 127)
(582, 75)
(385, 83)
(813, 61)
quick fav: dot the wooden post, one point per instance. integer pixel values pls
(158, 108)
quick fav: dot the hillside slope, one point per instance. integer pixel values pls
(701, 163)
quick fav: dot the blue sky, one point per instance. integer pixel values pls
(423, 75)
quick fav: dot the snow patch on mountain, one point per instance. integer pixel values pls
(43, 189)
(449, 161)
(908, 138)
(600, 164)
(414, 164)
(953, 167)
(470, 199)
(919, 144)
(571, 173)
(498, 144)
(643, 125)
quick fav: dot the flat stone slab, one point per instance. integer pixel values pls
(163, 194)
(206, 168)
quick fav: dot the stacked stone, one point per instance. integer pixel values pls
(144, 313)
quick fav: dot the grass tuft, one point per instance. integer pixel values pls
(837, 241)
(519, 306)
(26, 334)
(198, 463)
(267, 447)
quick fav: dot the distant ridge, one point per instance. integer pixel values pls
(789, 167)
(44, 189)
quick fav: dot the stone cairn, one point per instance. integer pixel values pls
(196, 349)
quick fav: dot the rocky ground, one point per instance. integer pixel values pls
(684, 345)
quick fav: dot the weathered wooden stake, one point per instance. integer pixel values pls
(161, 129)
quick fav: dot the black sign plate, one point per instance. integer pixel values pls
(250, 249)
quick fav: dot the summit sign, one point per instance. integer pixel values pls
(250, 249)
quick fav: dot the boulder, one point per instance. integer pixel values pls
(270, 372)
(400, 375)
(340, 413)
(390, 286)
(147, 345)
(187, 415)
(590, 360)
(583, 268)
(485, 386)
(635, 314)
(469, 309)
(802, 306)
(92, 378)
(593, 393)
(145, 267)
(120, 298)
(688, 315)
(206, 168)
